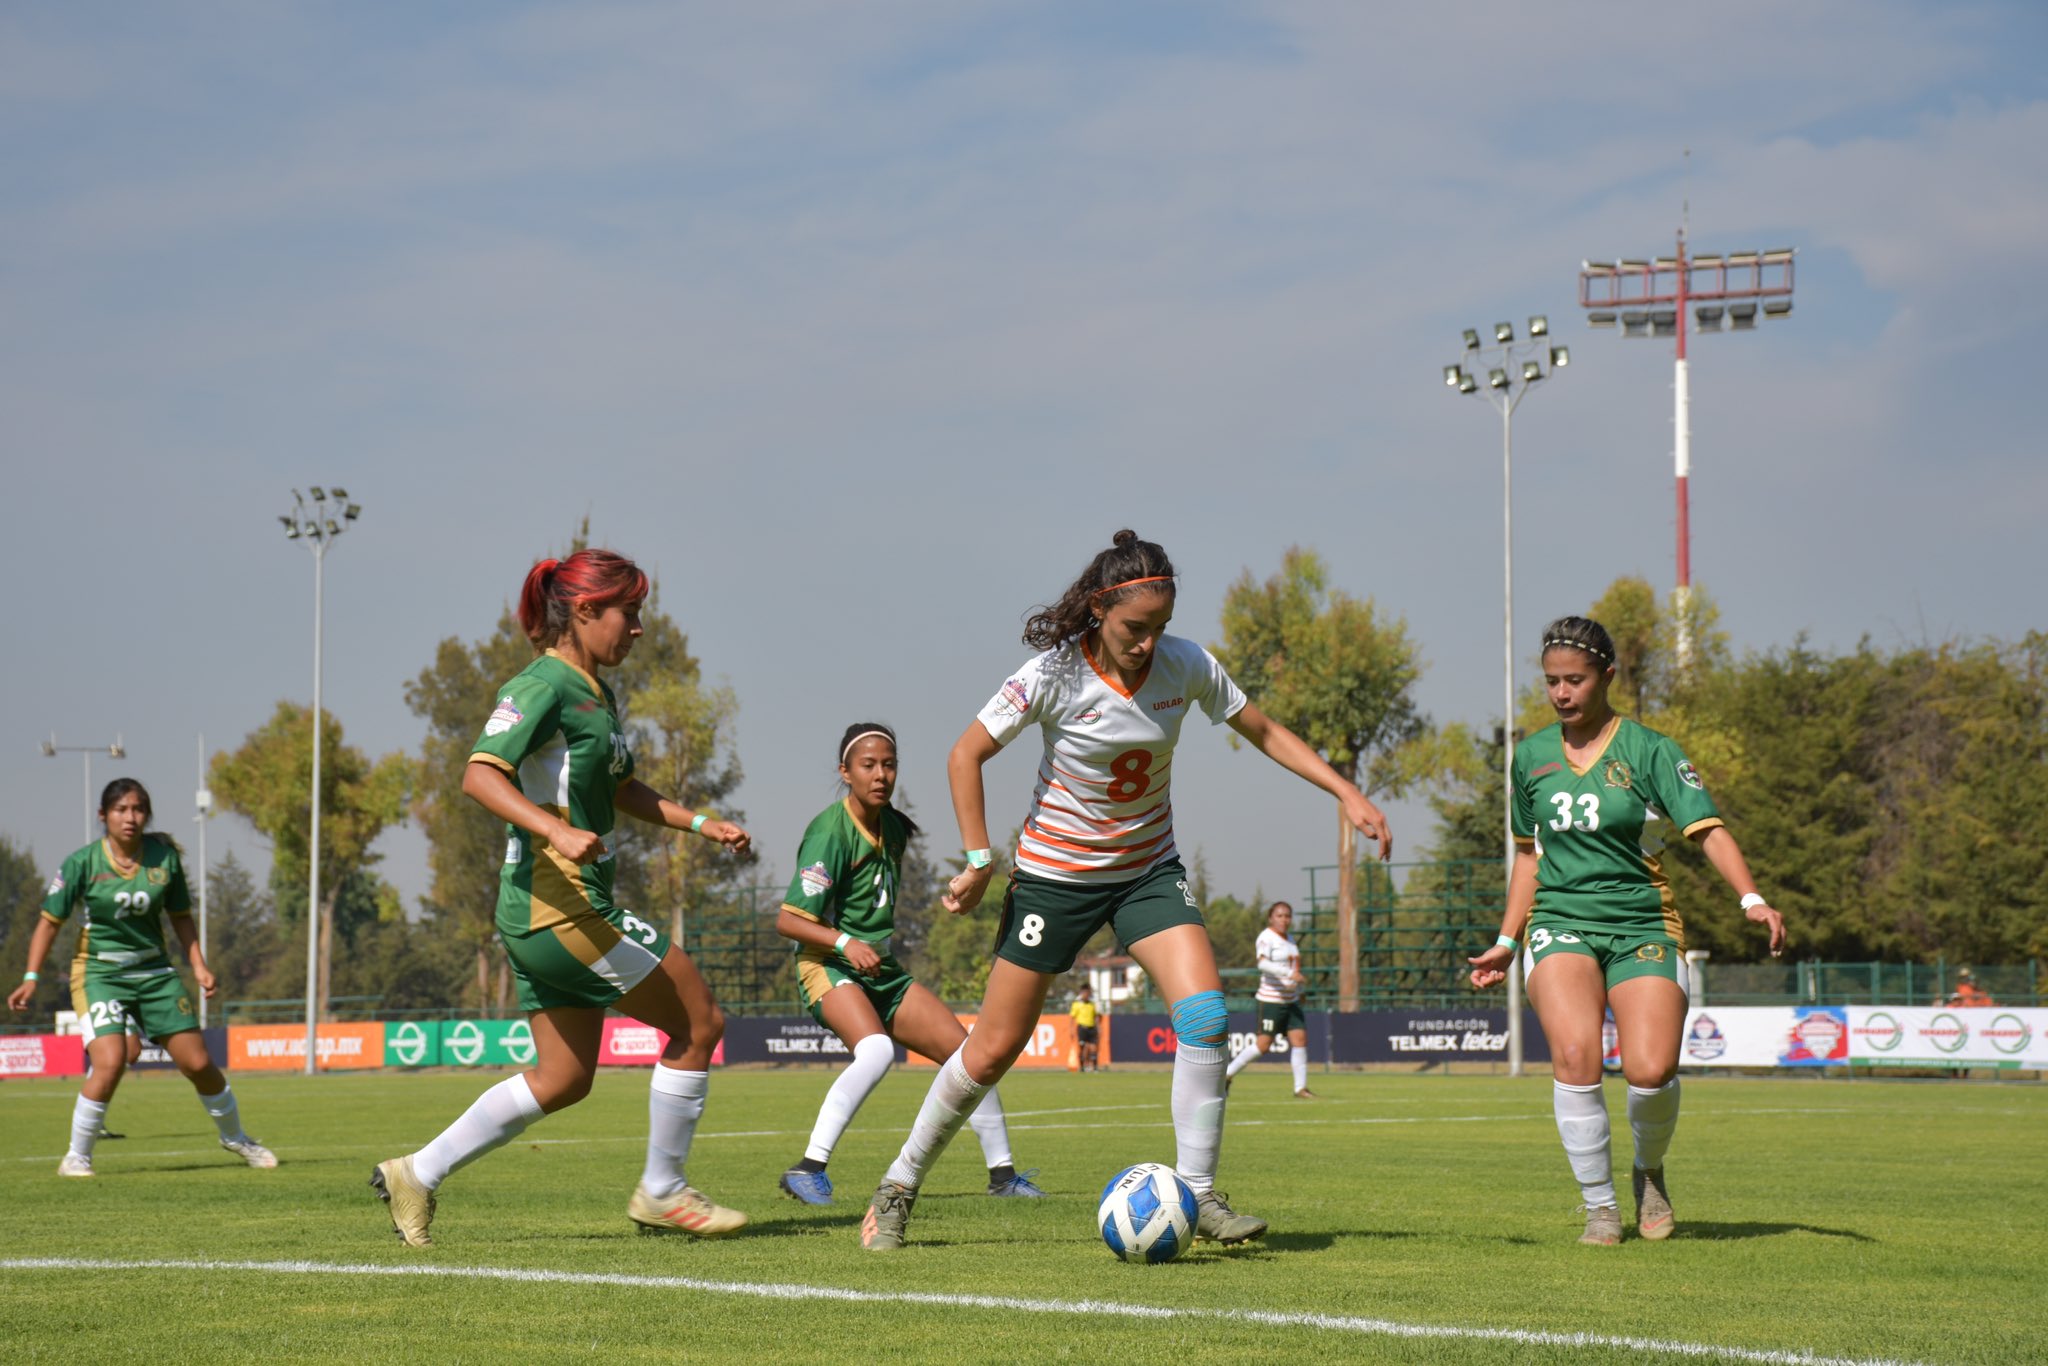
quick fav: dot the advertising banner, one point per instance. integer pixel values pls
(1818, 1036)
(1935, 1036)
(412, 1043)
(628, 1043)
(784, 1038)
(486, 1043)
(1150, 1038)
(156, 1059)
(282, 1047)
(1424, 1036)
(41, 1055)
(1049, 1045)
(1735, 1036)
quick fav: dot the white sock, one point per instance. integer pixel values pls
(675, 1102)
(992, 1129)
(1197, 1114)
(226, 1117)
(1582, 1124)
(1298, 1058)
(946, 1106)
(496, 1118)
(1652, 1117)
(86, 1118)
(1242, 1060)
(871, 1059)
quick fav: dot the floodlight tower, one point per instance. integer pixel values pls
(1649, 299)
(318, 528)
(51, 749)
(1511, 367)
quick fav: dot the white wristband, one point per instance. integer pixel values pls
(978, 858)
(1753, 899)
(839, 944)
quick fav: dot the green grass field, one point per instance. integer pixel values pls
(1420, 1217)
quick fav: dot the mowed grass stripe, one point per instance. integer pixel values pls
(1334, 1323)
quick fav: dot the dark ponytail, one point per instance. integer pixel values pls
(1582, 634)
(1129, 567)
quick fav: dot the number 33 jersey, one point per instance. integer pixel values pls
(1586, 825)
(1102, 810)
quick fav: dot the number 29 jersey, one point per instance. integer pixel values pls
(1596, 867)
(1102, 809)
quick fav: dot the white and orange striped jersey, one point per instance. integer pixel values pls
(1279, 960)
(1102, 811)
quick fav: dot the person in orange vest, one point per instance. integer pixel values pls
(1968, 993)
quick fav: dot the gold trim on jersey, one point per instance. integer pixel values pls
(1607, 734)
(798, 910)
(580, 935)
(873, 837)
(812, 977)
(504, 765)
(588, 677)
(1710, 823)
(1667, 902)
(557, 893)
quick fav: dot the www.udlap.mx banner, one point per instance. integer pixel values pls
(458, 1043)
(1944, 1036)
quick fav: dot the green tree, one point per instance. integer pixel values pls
(21, 900)
(1337, 673)
(269, 782)
(244, 942)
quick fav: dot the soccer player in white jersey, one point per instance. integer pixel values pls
(1108, 695)
(1279, 999)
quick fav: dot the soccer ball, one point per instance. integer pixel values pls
(1147, 1213)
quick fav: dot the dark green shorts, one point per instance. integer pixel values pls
(1046, 924)
(1621, 955)
(1277, 1017)
(819, 972)
(159, 1005)
(587, 960)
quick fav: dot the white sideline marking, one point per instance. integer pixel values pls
(1340, 1323)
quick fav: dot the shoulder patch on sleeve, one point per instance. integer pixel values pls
(815, 880)
(1014, 699)
(56, 885)
(504, 717)
(1689, 775)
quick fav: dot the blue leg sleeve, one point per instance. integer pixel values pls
(1201, 1019)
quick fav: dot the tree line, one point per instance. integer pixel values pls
(1890, 800)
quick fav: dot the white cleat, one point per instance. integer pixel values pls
(250, 1151)
(75, 1164)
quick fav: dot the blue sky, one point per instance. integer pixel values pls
(865, 325)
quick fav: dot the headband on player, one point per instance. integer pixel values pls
(862, 736)
(1592, 650)
(1132, 583)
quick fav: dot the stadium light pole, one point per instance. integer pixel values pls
(51, 749)
(319, 530)
(1511, 367)
(203, 799)
(1649, 298)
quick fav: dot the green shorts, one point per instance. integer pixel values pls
(819, 971)
(1046, 924)
(1277, 1017)
(1621, 954)
(159, 1005)
(586, 960)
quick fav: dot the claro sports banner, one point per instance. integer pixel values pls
(41, 1055)
(1932, 1036)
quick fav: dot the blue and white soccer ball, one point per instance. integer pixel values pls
(1147, 1214)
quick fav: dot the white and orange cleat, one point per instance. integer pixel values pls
(689, 1211)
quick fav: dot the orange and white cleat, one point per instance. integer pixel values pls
(687, 1211)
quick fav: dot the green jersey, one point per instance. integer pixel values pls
(121, 936)
(1587, 826)
(556, 731)
(846, 874)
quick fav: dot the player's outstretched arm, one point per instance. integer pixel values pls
(1490, 969)
(1292, 753)
(643, 803)
(489, 787)
(1726, 855)
(39, 941)
(974, 748)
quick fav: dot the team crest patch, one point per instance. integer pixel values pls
(1088, 717)
(1689, 775)
(1616, 774)
(1650, 953)
(504, 718)
(814, 880)
(1014, 699)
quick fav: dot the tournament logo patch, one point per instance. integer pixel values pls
(1616, 774)
(1689, 775)
(1088, 717)
(56, 885)
(504, 718)
(814, 880)
(1014, 699)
